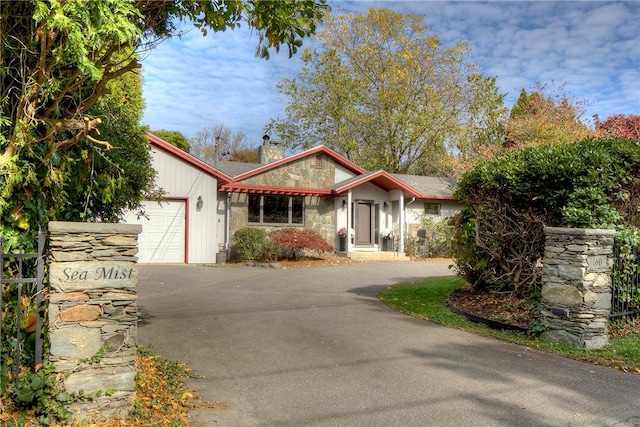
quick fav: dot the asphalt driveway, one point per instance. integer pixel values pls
(313, 347)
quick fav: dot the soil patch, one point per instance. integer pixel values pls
(501, 307)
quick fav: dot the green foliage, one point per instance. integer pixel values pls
(627, 266)
(174, 138)
(59, 60)
(249, 242)
(295, 241)
(439, 235)
(38, 395)
(270, 250)
(510, 198)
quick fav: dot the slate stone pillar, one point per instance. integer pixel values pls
(576, 285)
(93, 314)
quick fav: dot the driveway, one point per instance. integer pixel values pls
(313, 347)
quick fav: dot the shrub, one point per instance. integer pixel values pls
(270, 251)
(499, 239)
(296, 240)
(439, 236)
(249, 242)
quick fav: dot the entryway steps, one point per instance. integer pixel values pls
(375, 256)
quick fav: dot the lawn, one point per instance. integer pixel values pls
(427, 299)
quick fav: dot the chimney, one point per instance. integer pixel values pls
(270, 151)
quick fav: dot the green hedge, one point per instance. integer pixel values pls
(594, 183)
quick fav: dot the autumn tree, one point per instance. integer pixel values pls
(620, 126)
(58, 59)
(212, 144)
(543, 117)
(384, 92)
(174, 137)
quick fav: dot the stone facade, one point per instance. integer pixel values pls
(576, 286)
(309, 172)
(319, 216)
(93, 314)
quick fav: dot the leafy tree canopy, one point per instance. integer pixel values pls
(173, 137)
(385, 93)
(58, 59)
(542, 117)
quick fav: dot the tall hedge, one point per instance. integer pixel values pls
(594, 183)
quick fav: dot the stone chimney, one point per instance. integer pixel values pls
(270, 151)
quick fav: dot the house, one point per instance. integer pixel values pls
(316, 188)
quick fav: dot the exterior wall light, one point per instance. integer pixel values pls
(199, 204)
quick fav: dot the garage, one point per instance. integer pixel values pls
(182, 228)
(163, 232)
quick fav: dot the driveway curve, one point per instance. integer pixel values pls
(313, 347)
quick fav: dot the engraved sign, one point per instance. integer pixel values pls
(597, 262)
(83, 275)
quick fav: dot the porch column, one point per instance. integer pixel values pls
(349, 223)
(401, 220)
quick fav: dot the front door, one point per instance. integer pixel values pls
(364, 223)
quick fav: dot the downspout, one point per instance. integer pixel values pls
(227, 225)
(404, 230)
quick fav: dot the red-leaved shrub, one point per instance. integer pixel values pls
(297, 241)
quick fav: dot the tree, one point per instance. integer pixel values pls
(541, 117)
(217, 143)
(620, 126)
(58, 59)
(175, 138)
(102, 183)
(245, 155)
(386, 94)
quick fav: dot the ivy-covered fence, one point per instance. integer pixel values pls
(625, 288)
(21, 306)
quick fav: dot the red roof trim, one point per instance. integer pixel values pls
(193, 161)
(272, 189)
(376, 175)
(315, 150)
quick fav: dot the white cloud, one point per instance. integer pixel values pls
(592, 46)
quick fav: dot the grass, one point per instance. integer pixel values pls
(426, 299)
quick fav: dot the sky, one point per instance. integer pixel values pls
(591, 49)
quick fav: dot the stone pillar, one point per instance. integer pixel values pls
(93, 314)
(576, 286)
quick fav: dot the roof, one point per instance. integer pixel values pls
(229, 175)
(430, 187)
(234, 169)
(188, 158)
(382, 179)
(315, 150)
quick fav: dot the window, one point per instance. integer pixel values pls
(275, 209)
(432, 208)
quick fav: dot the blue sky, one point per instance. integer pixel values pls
(592, 47)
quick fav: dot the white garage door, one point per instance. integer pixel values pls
(163, 232)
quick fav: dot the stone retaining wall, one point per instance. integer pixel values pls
(576, 285)
(93, 313)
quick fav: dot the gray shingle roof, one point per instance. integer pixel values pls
(429, 185)
(235, 168)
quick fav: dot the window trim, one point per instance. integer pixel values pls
(289, 210)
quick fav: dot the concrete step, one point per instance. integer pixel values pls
(375, 256)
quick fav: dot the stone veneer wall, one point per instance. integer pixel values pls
(93, 313)
(576, 285)
(300, 173)
(319, 216)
